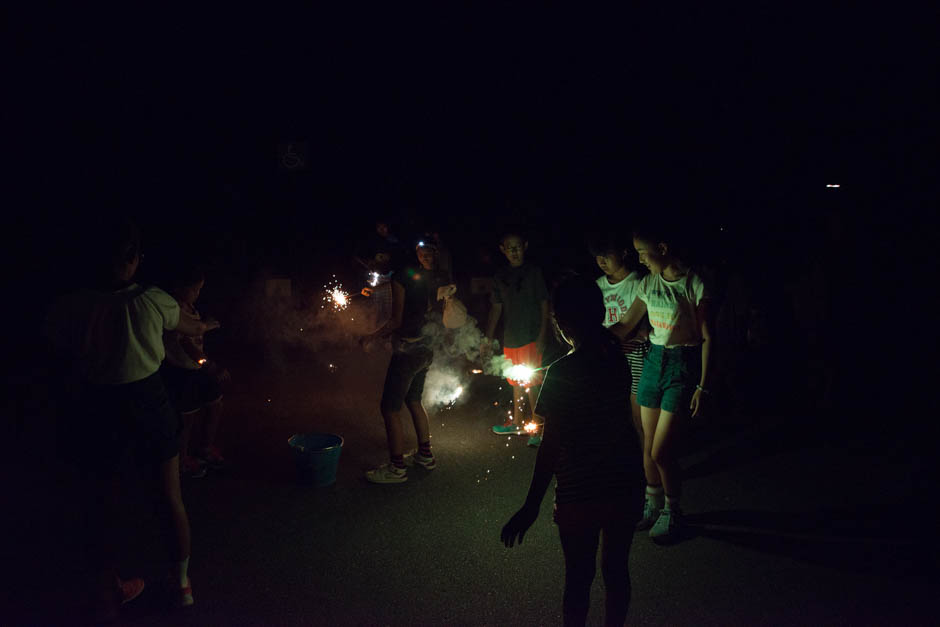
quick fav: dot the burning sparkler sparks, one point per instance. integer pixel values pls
(456, 394)
(531, 427)
(520, 373)
(373, 278)
(335, 295)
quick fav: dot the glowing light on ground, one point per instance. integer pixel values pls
(476, 371)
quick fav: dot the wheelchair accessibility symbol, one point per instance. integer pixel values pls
(292, 155)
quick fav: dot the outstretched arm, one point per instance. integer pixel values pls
(192, 327)
(704, 316)
(630, 320)
(545, 462)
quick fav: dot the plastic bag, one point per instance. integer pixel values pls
(455, 314)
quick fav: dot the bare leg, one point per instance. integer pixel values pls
(664, 452)
(518, 398)
(650, 418)
(212, 419)
(419, 416)
(171, 500)
(532, 394)
(615, 559)
(393, 431)
(580, 549)
(99, 527)
(637, 418)
(185, 434)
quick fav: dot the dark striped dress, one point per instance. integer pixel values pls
(584, 399)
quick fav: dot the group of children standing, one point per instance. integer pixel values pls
(611, 411)
(652, 362)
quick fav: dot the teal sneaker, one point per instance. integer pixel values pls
(667, 526)
(534, 441)
(509, 429)
(650, 514)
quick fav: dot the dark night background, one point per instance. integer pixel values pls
(461, 120)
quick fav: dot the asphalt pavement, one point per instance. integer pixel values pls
(788, 524)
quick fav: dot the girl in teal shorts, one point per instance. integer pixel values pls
(676, 373)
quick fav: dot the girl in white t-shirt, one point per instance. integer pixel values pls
(676, 371)
(619, 289)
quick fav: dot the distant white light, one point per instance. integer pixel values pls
(833, 185)
(420, 243)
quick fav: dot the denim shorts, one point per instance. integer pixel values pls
(669, 377)
(404, 381)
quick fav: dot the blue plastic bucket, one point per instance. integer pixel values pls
(317, 457)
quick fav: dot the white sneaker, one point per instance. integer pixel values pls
(414, 457)
(387, 473)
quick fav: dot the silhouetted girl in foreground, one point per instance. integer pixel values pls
(591, 447)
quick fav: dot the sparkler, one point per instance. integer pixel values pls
(520, 373)
(335, 295)
(531, 427)
(373, 278)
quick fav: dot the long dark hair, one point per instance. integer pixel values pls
(578, 311)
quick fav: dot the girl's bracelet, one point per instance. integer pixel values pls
(701, 389)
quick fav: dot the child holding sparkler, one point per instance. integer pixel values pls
(619, 285)
(414, 293)
(591, 448)
(193, 381)
(110, 337)
(520, 290)
(676, 373)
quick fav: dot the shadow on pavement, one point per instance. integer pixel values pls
(772, 440)
(869, 539)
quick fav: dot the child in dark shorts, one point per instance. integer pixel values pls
(590, 446)
(193, 381)
(108, 339)
(414, 292)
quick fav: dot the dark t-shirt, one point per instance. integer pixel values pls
(521, 292)
(420, 296)
(586, 398)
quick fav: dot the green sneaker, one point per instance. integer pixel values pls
(650, 514)
(534, 441)
(509, 429)
(667, 526)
